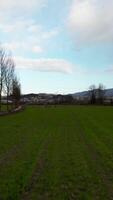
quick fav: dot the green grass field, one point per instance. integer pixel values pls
(57, 153)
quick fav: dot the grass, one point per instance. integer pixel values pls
(57, 153)
(4, 107)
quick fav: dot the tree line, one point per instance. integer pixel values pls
(9, 82)
(97, 94)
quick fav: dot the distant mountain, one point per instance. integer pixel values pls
(108, 93)
(30, 95)
(80, 94)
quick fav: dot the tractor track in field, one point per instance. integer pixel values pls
(96, 159)
(33, 182)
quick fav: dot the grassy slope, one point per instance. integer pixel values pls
(58, 153)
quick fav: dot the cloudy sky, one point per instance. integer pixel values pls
(59, 46)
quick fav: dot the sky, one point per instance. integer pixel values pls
(59, 46)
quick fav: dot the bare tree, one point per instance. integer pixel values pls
(9, 84)
(92, 94)
(16, 91)
(9, 76)
(2, 71)
(101, 93)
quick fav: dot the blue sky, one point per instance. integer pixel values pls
(59, 46)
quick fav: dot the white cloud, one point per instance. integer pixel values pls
(22, 46)
(19, 25)
(23, 34)
(109, 69)
(25, 6)
(44, 65)
(13, 46)
(34, 28)
(50, 34)
(90, 21)
(36, 49)
(26, 35)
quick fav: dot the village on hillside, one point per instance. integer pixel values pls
(50, 99)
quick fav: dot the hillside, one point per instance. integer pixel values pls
(108, 93)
